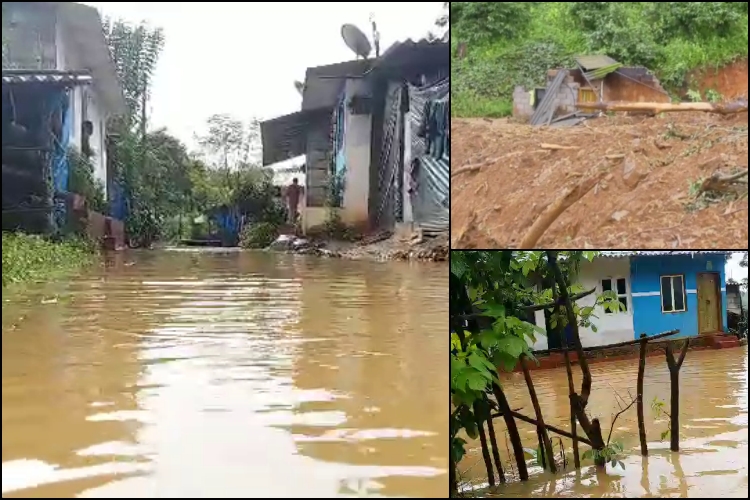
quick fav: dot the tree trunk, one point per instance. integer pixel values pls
(495, 450)
(479, 417)
(515, 437)
(674, 380)
(573, 426)
(545, 443)
(658, 107)
(641, 372)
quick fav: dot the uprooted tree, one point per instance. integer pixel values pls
(493, 296)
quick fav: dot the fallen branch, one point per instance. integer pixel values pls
(555, 210)
(659, 107)
(547, 426)
(731, 184)
(641, 373)
(557, 147)
(467, 169)
(617, 344)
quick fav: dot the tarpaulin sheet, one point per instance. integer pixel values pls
(429, 166)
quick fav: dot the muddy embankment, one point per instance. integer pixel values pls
(612, 182)
(386, 247)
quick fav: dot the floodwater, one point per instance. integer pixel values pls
(228, 375)
(713, 457)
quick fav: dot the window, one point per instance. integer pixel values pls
(620, 288)
(673, 294)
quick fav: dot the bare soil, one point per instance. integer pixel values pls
(646, 172)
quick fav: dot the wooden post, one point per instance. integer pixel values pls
(483, 441)
(495, 450)
(674, 380)
(515, 437)
(641, 372)
(545, 443)
(573, 426)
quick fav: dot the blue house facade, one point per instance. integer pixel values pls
(659, 291)
(683, 291)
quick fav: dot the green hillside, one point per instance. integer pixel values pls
(515, 43)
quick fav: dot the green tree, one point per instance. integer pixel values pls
(135, 50)
(485, 21)
(491, 294)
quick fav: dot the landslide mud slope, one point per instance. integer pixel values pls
(649, 169)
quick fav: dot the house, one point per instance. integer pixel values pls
(659, 291)
(59, 88)
(362, 127)
(596, 78)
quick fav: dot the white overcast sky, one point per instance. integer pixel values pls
(243, 58)
(733, 269)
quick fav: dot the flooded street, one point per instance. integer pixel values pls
(233, 374)
(713, 457)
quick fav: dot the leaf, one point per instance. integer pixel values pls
(476, 381)
(588, 454)
(622, 464)
(593, 328)
(512, 345)
(613, 462)
(530, 452)
(664, 434)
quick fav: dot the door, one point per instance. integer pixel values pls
(586, 95)
(709, 303)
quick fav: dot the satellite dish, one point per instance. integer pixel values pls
(300, 87)
(356, 40)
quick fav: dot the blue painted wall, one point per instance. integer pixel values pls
(645, 276)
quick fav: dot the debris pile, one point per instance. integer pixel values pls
(670, 181)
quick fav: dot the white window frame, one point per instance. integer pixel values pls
(671, 290)
(625, 295)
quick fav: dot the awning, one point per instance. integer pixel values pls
(65, 78)
(597, 67)
(285, 137)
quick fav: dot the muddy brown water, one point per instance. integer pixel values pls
(227, 374)
(713, 457)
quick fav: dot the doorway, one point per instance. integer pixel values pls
(709, 303)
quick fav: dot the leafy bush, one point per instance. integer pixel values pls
(29, 258)
(82, 181)
(259, 235)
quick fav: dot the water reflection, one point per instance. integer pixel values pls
(227, 374)
(713, 430)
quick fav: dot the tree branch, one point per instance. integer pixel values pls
(614, 419)
(539, 307)
(563, 287)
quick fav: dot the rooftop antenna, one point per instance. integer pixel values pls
(375, 35)
(356, 40)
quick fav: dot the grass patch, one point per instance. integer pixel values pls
(466, 105)
(28, 259)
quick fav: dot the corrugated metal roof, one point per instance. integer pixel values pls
(589, 63)
(629, 253)
(323, 84)
(20, 77)
(285, 137)
(410, 52)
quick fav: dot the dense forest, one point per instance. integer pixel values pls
(497, 45)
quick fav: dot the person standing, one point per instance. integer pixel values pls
(293, 197)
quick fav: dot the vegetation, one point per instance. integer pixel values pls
(162, 181)
(83, 181)
(492, 296)
(260, 235)
(34, 258)
(515, 43)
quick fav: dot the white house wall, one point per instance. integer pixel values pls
(357, 146)
(68, 60)
(611, 328)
